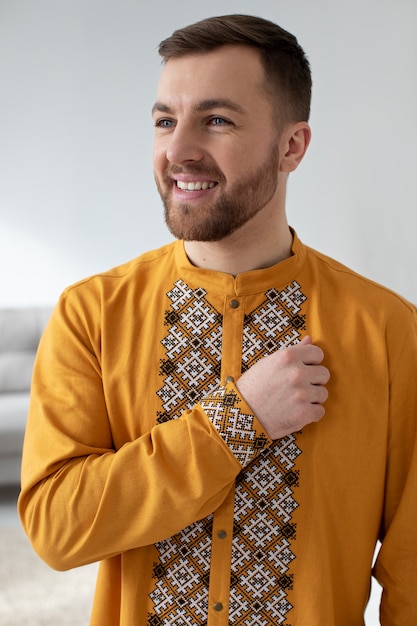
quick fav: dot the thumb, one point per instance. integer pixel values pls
(305, 341)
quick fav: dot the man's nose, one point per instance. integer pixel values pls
(185, 144)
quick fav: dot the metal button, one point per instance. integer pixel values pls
(234, 304)
(218, 606)
(230, 379)
(222, 534)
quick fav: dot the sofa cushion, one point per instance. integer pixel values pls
(21, 329)
(16, 371)
(13, 414)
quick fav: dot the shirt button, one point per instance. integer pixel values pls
(234, 304)
(230, 379)
(222, 534)
(218, 606)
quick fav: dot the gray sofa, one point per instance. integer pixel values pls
(20, 331)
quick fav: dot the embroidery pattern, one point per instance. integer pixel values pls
(273, 325)
(193, 350)
(264, 530)
(181, 593)
(235, 426)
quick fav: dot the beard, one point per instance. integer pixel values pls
(216, 220)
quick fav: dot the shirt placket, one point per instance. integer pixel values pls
(222, 538)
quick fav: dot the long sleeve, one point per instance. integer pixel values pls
(396, 565)
(86, 495)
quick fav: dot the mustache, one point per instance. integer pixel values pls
(194, 169)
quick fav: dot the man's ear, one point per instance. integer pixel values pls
(293, 146)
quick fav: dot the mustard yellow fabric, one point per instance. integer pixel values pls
(140, 453)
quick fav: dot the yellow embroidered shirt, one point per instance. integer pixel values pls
(140, 453)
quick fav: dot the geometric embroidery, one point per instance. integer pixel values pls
(190, 370)
(264, 498)
(274, 325)
(261, 552)
(193, 350)
(181, 593)
(264, 530)
(235, 427)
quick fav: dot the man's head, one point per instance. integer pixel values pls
(287, 70)
(226, 133)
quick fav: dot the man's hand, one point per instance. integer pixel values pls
(285, 390)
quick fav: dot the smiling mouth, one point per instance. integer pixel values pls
(195, 185)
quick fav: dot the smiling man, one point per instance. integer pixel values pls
(228, 423)
(216, 158)
(233, 141)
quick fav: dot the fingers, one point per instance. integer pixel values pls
(310, 354)
(319, 375)
(286, 389)
(319, 394)
(306, 341)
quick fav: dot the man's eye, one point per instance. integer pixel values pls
(164, 123)
(219, 121)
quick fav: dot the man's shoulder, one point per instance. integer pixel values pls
(347, 283)
(147, 259)
(149, 267)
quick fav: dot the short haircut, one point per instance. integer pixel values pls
(286, 67)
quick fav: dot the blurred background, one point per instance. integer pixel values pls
(77, 82)
(77, 196)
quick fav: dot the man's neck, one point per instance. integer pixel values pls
(252, 247)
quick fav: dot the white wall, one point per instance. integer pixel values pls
(77, 81)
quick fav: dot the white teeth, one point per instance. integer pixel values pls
(194, 186)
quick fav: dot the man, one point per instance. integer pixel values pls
(177, 430)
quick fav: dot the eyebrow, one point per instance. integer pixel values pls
(204, 105)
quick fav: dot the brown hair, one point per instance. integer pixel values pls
(286, 67)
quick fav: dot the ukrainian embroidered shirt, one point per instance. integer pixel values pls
(140, 453)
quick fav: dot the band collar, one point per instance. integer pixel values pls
(251, 282)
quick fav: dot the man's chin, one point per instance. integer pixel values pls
(188, 224)
(208, 235)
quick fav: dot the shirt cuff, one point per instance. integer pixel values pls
(235, 423)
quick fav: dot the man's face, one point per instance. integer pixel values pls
(215, 155)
